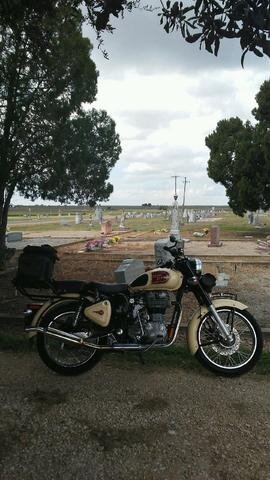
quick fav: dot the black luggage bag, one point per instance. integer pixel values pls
(35, 267)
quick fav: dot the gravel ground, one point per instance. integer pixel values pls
(128, 421)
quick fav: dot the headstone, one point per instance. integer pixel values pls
(128, 270)
(214, 237)
(106, 228)
(250, 217)
(14, 237)
(63, 222)
(222, 279)
(192, 216)
(256, 219)
(122, 223)
(98, 214)
(175, 219)
(78, 218)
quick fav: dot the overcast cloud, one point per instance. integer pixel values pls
(166, 96)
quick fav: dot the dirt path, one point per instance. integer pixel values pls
(124, 421)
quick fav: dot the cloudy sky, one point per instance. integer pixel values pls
(166, 96)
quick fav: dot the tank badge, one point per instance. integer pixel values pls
(160, 277)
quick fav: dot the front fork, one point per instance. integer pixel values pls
(204, 299)
(223, 328)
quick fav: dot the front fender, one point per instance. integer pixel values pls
(47, 307)
(193, 325)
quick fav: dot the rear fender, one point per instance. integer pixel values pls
(48, 306)
(193, 325)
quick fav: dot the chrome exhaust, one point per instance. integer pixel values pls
(71, 338)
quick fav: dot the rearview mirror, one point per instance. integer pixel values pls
(172, 239)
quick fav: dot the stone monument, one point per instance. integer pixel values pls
(98, 214)
(122, 222)
(106, 228)
(214, 237)
(78, 218)
(175, 219)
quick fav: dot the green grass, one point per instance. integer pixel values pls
(174, 357)
(55, 227)
(230, 225)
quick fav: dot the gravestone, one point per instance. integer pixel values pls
(128, 270)
(192, 216)
(78, 218)
(106, 227)
(214, 237)
(14, 237)
(122, 223)
(222, 280)
(63, 222)
(256, 219)
(98, 214)
(175, 219)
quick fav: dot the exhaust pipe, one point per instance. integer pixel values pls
(71, 338)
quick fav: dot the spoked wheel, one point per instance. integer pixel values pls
(60, 355)
(236, 357)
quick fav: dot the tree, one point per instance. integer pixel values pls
(205, 21)
(45, 76)
(240, 157)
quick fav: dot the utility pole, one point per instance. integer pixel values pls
(184, 197)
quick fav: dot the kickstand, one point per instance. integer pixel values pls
(141, 357)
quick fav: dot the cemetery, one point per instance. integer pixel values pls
(94, 244)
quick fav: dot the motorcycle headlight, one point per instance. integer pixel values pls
(197, 266)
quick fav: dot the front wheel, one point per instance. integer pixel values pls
(62, 356)
(241, 354)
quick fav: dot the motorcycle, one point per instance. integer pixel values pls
(79, 321)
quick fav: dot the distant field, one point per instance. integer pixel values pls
(231, 226)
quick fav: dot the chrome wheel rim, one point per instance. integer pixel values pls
(63, 352)
(214, 349)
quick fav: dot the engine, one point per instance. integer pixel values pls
(148, 317)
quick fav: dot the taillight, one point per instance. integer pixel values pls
(29, 313)
(34, 306)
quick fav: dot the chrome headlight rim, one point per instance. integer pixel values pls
(198, 266)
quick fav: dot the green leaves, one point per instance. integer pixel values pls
(240, 157)
(46, 74)
(211, 20)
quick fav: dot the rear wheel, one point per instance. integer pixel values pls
(241, 354)
(60, 355)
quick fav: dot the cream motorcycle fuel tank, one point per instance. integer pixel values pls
(157, 279)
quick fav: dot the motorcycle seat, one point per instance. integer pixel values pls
(76, 286)
(108, 288)
(69, 286)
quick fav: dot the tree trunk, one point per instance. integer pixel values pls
(4, 207)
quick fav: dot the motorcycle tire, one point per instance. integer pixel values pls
(63, 357)
(235, 359)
